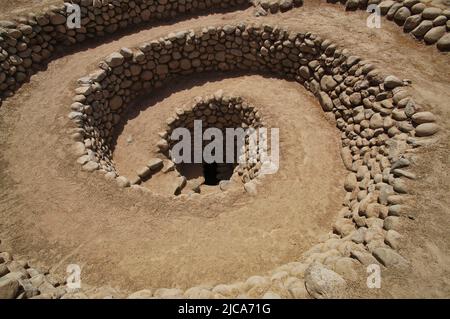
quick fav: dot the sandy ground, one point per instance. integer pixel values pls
(52, 213)
(13, 8)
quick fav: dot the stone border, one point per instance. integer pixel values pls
(424, 23)
(29, 42)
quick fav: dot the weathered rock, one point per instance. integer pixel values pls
(327, 83)
(391, 82)
(250, 188)
(122, 181)
(165, 293)
(431, 12)
(198, 293)
(434, 34)
(115, 59)
(325, 102)
(9, 288)
(423, 117)
(90, 166)
(144, 172)
(422, 29)
(444, 42)
(389, 258)
(426, 129)
(393, 239)
(155, 164)
(350, 182)
(412, 22)
(376, 121)
(321, 282)
(401, 15)
(384, 6)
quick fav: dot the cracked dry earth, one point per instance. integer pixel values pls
(53, 214)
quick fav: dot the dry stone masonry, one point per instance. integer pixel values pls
(379, 122)
(378, 119)
(424, 23)
(28, 42)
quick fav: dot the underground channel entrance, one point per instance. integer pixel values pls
(229, 117)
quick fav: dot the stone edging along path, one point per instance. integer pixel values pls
(30, 41)
(428, 24)
(378, 119)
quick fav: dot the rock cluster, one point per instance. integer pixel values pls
(223, 112)
(29, 41)
(424, 23)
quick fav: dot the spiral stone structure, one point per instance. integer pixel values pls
(368, 125)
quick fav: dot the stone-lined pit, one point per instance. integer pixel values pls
(219, 112)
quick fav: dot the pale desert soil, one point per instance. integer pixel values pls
(53, 213)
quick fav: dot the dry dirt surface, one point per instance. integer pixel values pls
(14, 8)
(54, 214)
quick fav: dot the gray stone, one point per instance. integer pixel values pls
(304, 72)
(400, 186)
(79, 149)
(393, 239)
(179, 184)
(143, 172)
(410, 3)
(423, 117)
(322, 282)
(412, 22)
(376, 121)
(115, 59)
(3, 270)
(384, 6)
(250, 188)
(327, 83)
(422, 29)
(90, 166)
(122, 181)
(418, 8)
(9, 288)
(391, 82)
(351, 5)
(444, 42)
(325, 102)
(391, 222)
(431, 13)
(363, 257)
(434, 34)
(401, 15)
(350, 182)
(389, 258)
(155, 164)
(426, 129)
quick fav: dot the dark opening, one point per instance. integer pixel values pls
(210, 174)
